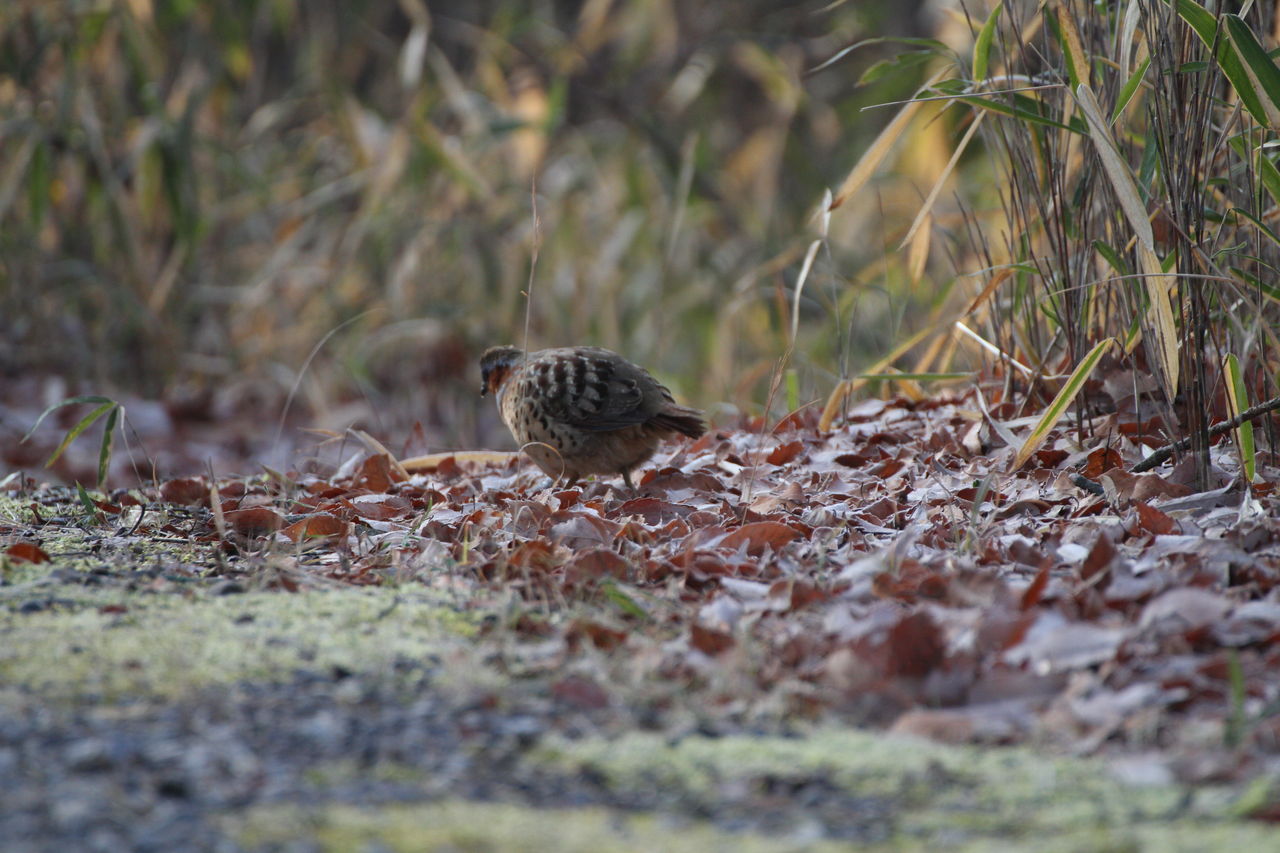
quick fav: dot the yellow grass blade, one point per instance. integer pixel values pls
(1079, 63)
(918, 255)
(1117, 172)
(1160, 321)
(927, 207)
(848, 386)
(1060, 403)
(993, 349)
(879, 149)
(1003, 274)
(462, 457)
(1238, 399)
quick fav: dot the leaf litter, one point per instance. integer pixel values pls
(888, 573)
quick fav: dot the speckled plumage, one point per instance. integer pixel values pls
(583, 410)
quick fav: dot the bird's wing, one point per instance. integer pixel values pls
(598, 391)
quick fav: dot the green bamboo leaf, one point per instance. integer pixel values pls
(74, 432)
(1020, 111)
(900, 63)
(982, 45)
(939, 48)
(70, 401)
(1262, 227)
(1133, 334)
(1238, 397)
(108, 435)
(1270, 176)
(1129, 90)
(86, 501)
(623, 602)
(1264, 76)
(1112, 257)
(1272, 293)
(39, 184)
(1060, 403)
(1206, 27)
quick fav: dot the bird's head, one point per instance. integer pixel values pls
(495, 365)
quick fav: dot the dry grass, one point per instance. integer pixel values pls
(195, 195)
(246, 198)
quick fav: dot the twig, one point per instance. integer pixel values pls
(1217, 429)
(533, 261)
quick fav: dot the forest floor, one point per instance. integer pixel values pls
(782, 639)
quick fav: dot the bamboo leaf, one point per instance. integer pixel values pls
(918, 255)
(1262, 227)
(70, 401)
(1127, 28)
(108, 436)
(1112, 257)
(1160, 321)
(879, 149)
(1272, 293)
(982, 45)
(1117, 171)
(898, 64)
(1069, 41)
(1060, 403)
(1264, 77)
(1205, 25)
(1238, 399)
(939, 48)
(1020, 112)
(73, 433)
(1129, 90)
(87, 502)
(1269, 175)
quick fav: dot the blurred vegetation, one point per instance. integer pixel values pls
(239, 197)
(1137, 148)
(194, 195)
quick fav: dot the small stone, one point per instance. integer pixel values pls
(227, 587)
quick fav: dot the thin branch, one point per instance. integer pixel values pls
(1217, 429)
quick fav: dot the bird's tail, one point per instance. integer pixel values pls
(680, 419)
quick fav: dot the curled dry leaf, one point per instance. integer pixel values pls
(319, 526)
(254, 521)
(186, 491)
(759, 536)
(26, 552)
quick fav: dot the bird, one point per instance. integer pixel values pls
(583, 410)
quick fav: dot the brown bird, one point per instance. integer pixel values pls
(583, 410)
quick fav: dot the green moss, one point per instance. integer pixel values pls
(84, 543)
(164, 646)
(955, 796)
(465, 826)
(330, 774)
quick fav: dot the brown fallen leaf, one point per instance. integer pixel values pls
(253, 521)
(318, 526)
(26, 552)
(760, 535)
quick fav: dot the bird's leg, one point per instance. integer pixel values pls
(626, 478)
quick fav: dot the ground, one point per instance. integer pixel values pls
(786, 638)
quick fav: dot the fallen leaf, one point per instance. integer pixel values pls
(759, 536)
